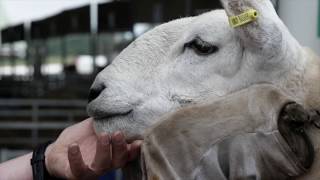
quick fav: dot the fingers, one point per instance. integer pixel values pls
(77, 166)
(111, 153)
(134, 150)
(102, 161)
(119, 150)
(79, 169)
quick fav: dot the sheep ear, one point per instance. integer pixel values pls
(264, 34)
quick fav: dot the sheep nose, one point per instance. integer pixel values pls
(95, 92)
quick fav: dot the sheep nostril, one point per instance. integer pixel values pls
(94, 93)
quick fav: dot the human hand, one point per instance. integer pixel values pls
(79, 153)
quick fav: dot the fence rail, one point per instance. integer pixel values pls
(42, 102)
(25, 123)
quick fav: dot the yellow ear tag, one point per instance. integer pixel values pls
(244, 18)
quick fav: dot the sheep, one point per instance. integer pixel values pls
(254, 133)
(190, 60)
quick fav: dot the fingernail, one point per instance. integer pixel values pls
(106, 139)
(139, 143)
(74, 149)
(118, 137)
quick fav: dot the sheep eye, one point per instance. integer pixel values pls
(201, 47)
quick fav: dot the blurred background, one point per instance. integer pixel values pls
(51, 50)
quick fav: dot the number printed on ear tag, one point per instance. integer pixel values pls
(244, 18)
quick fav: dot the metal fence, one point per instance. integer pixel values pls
(26, 123)
(36, 118)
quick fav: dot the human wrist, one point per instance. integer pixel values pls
(40, 161)
(47, 159)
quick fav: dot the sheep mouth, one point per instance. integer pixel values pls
(110, 116)
(124, 122)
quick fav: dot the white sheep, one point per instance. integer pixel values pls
(254, 133)
(189, 60)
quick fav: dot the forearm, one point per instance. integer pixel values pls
(17, 169)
